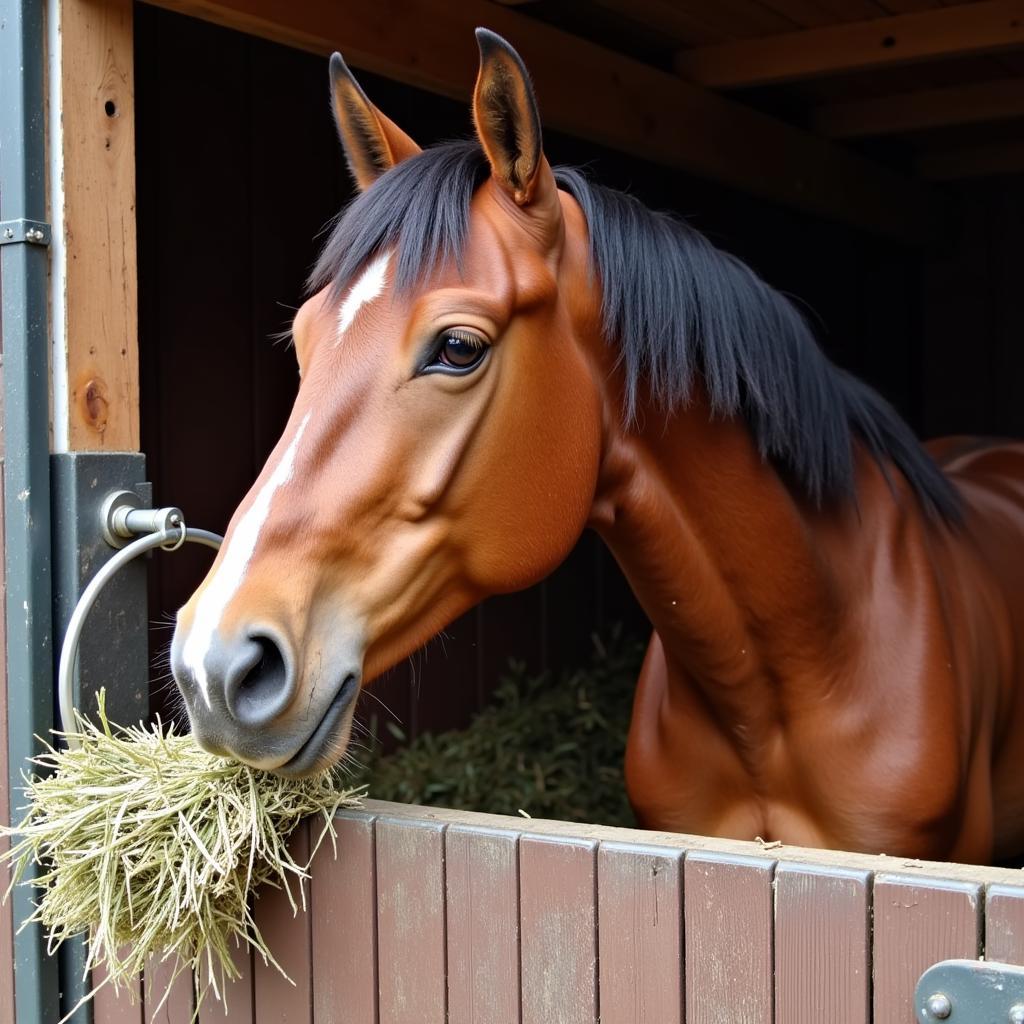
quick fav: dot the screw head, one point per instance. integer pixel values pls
(8, 232)
(938, 1005)
(1017, 1014)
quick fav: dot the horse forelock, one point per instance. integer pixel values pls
(680, 311)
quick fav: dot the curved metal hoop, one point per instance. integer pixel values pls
(170, 540)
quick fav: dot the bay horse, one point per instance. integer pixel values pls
(496, 355)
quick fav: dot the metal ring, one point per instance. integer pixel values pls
(69, 650)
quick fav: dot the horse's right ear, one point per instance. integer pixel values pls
(372, 142)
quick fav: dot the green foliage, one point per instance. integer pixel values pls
(551, 748)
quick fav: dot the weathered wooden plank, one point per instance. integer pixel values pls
(1004, 924)
(344, 925)
(482, 894)
(822, 945)
(275, 999)
(557, 924)
(944, 32)
(113, 1006)
(918, 922)
(96, 393)
(728, 938)
(411, 922)
(158, 981)
(610, 99)
(640, 936)
(235, 1004)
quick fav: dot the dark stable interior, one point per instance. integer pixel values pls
(239, 170)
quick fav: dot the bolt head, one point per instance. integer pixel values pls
(8, 232)
(938, 1005)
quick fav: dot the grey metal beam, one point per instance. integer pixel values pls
(23, 282)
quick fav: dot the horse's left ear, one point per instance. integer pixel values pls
(373, 143)
(506, 118)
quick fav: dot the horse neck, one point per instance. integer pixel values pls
(733, 572)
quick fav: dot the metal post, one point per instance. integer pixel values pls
(23, 282)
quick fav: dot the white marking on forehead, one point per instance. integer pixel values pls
(231, 571)
(366, 289)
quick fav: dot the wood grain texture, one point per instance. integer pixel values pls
(482, 894)
(100, 300)
(640, 937)
(728, 938)
(411, 922)
(918, 922)
(275, 999)
(558, 926)
(158, 980)
(236, 1005)
(344, 925)
(1004, 924)
(609, 99)
(822, 945)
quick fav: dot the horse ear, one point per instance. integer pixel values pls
(506, 118)
(372, 142)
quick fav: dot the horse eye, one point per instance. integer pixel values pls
(457, 351)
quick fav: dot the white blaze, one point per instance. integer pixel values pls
(366, 289)
(231, 571)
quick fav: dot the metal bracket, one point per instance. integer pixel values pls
(970, 992)
(33, 232)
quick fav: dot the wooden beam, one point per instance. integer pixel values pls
(973, 162)
(608, 98)
(838, 49)
(98, 384)
(973, 103)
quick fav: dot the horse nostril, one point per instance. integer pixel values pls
(258, 685)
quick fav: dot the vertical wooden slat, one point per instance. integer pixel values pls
(917, 923)
(235, 1004)
(822, 945)
(728, 938)
(112, 1006)
(558, 925)
(410, 922)
(640, 936)
(276, 1000)
(177, 1008)
(98, 117)
(344, 925)
(1004, 924)
(482, 896)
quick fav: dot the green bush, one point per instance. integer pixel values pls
(552, 748)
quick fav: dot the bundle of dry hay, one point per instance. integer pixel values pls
(149, 846)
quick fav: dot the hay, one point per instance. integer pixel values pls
(149, 846)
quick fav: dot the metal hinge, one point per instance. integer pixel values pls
(970, 992)
(32, 232)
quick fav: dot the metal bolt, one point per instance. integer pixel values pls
(34, 235)
(939, 1006)
(1017, 1013)
(8, 232)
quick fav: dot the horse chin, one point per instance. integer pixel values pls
(328, 742)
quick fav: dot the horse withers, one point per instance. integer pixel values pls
(497, 355)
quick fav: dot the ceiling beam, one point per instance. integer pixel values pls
(837, 49)
(973, 103)
(596, 94)
(973, 162)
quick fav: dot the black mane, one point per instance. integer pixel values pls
(678, 309)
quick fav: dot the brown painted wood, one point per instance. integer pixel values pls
(275, 999)
(558, 922)
(117, 1006)
(344, 924)
(985, 161)
(822, 945)
(1004, 924)
(157, 979)
(6, 915)
(482, 898)
(640, 939)
(236, 1005)
(610, 99)
(904, 38)
(728, 931)
(100, 323)
(918, 922)
(411, 922)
